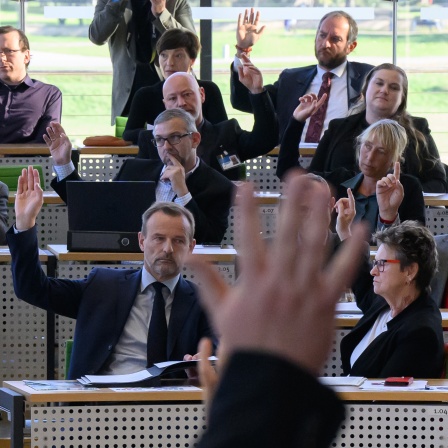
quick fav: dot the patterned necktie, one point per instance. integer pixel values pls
(317, 120)
(158, 331)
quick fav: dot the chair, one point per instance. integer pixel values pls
(68, 354)
(9, 175)
(120, 125)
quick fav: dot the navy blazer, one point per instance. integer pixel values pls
(337, 149)
(211, 194)
(101, 304)
(228, 136)
(291, 85)
(148, 103)
(412, 345)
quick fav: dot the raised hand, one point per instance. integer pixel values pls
(346, 210)
(390, 194)
(157, 7)
(308, 105)
(250, 76)
(58, 143)
(248, 31)
(175, 173)
(29, 199)
(284, 300)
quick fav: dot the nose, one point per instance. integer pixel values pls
(170, 60)
(168, 246)
(374, 272)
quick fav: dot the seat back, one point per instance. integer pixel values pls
(10, 173)
(120, 125)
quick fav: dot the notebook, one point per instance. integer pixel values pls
(107, 216)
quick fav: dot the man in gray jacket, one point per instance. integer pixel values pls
(132, 28)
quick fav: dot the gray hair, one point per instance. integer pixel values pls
(171, 114)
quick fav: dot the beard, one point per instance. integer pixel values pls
(329, 61)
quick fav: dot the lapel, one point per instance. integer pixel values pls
(126, 292)
(208, 141)
(305, 80)
(184, 300)
(353, 87)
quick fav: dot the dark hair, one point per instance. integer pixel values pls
(352, 25)
(179, 38)
(413, 243)
(401, 115)
(170, 114)
(23, 40)
(170, 209)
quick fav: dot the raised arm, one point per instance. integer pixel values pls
(108, 15)
(389, 194)
(171, 14)
(248, 31)
(29, 199)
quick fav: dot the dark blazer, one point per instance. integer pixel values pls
(291, 85)
(282, 407)
(148, 103)
(111, 23)
(211, 194)
(228, 136)
(411, 346)
(105, 296)
(337, 149)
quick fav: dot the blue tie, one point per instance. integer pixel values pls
(158, 331)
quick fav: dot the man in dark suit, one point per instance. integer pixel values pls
(179, 174)
(224, 146)
(113, 308)
(335, 40)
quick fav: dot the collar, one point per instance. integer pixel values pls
(339, 71)
(186, 174)
(201, 125)
(354, 182)
(27, 81)
(148, 279)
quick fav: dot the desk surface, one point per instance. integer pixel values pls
(209, 253)
(104, 394)
(50, 197)
(5, 255)
(439, 200)
(113, 150)
(11, 149)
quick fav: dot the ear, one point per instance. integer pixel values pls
(411, 271)
(27, 56)
(196, 139)
(202, 92)
(141, 240)
(192, 62)
(351, 47)
(192, 245)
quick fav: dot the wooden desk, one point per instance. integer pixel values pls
(436, 201)
(50, 197)
(29, 149)
(112, 150)
(105, 417)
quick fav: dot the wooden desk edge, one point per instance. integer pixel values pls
(104, 394)
(112, 150)
(6, 257)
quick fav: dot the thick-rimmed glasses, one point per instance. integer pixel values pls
(172, 139)
(8, 52)
(379, 264)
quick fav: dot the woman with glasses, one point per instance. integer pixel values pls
(177, 50)
(400, 333)
(383, 196)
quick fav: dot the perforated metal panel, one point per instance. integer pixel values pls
(437, 220)
(65, 327)
(268, 222)
(23, 334)
(45, 162)
(333, 365)
(394, 426)
(146, 426)
(52, 224)
(101, 167)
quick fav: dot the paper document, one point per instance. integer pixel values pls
(342, 380)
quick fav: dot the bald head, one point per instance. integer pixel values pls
(181, 90)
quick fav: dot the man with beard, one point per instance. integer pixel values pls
(335, 39)
(116, 310)
(180, 175)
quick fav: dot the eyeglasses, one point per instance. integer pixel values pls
(379, 264)
(8, 52)
(172, 139)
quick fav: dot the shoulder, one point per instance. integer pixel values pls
(409, 181)
(208, 86)
(44, 86)
(298, 71)
(150, 90)
(359, 67)
(212, 177)
(420, 123)
(4, 190)
(351, 120)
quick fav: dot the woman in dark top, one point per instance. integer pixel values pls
(378, 152)
(384, 95)
(177, 50)
(400, 333)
